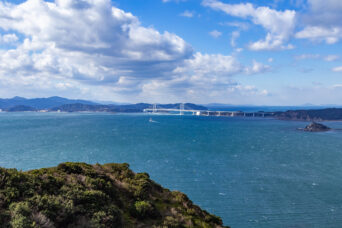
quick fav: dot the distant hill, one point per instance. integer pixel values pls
(132, 108)
(39, 103)
(21, 108)
(311, 115)
(19, 104)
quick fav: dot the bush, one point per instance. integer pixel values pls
(20, 215)
(144, 209)
(110, 218)
(69, 168)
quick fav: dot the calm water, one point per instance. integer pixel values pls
(251, 172)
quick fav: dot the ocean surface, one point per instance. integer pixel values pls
(251, 172)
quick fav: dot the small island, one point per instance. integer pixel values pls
(83, 195)
(316, 127)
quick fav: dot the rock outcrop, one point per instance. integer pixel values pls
(316, 127)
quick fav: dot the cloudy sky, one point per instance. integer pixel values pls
(261, 52)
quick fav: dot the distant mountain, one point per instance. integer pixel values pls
(40, 103)
(187, 106)
(131, 108)
(81, 108)
(19, 104)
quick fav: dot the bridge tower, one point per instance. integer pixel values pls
(181, 109)
(154, 108)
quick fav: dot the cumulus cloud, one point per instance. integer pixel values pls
(8, 38)
(207, 77)
(257, 68)
(86, 41)
(278, 24)
(204, 64)
(318, 33)
(92, 49)
(323, 22)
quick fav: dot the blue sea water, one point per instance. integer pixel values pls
(251, 172)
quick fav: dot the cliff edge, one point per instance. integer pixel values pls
(83, 195)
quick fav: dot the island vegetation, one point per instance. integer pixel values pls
(83, 195)
(328, 114)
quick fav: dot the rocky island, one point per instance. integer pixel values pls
(83, 195)
(316, 127)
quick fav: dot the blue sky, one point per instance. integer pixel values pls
(265, 52)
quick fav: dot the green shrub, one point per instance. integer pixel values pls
(213, 219)
(171, 222)
(111, 218)
(20, 215)
(69, 168)
(144, 209)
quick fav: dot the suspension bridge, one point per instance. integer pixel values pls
(182, 111)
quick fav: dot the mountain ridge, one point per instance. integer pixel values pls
(55, 103)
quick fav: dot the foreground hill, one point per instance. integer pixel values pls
(82, 195)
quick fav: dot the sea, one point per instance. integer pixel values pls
(252, 172)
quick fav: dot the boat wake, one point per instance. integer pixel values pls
(153, 121)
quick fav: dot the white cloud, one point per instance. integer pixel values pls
(307, 56)
(323, 22)
(257, 68)
(8, 38)
(270, 43)
(217, 68)
(242, 26)
(278, 24)
(188, 14)
(331, 58)
(317, 33)
(91, 49)
(328, 58)
(215, 33)
(234, 37)
(206, 78)
(215, 65)
(63, 36)
(337, 69)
